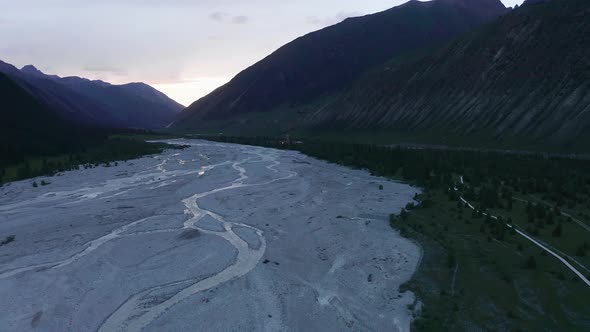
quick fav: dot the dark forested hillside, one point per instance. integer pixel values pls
(59, 98)
(36, 140)
(29, 127)
(325, 61)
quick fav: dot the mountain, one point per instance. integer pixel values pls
(29, 127)
(522, 81)
(97, 103)
(61, 99)
(135, 105)
(325, 61)
(22, 114)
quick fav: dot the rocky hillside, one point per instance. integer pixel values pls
(327, 60)
(524, 78)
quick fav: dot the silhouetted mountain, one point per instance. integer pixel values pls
(135, 104)
(29, 127)
(97, 103)
(61, 99)
(33, 71)
(532, 2)
(327, 60)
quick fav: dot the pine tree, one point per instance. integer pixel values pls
(531, 263)
(529, 208)
(549, 219)
(403, 214)
(557, 231)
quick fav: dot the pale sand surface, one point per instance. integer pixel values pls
(216, 237)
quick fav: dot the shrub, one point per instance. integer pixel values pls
(557, 231)
(531, 263)
(392, 219)
(403, 214)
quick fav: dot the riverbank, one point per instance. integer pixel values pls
(179, 240)
(101, 152)
(477, 273)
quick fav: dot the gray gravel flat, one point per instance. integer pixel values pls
(216, 237)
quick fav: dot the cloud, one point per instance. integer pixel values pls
(223, 17)
(218, 16)
(241, 19)
(105, 68)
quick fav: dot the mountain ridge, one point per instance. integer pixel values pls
(519, 82)
(525, 78)
(325, 60)
(34, 129)
(97, 103)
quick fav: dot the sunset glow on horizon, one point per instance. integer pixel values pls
(184, 92)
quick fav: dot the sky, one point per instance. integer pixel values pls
(184, 48)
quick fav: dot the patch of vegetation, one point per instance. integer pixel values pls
(113, 149)
(477, 273)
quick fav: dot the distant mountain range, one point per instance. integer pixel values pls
(325, 61)
(96, 103)
(522, 80)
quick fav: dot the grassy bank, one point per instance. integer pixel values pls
(111, 149)
(477, 273)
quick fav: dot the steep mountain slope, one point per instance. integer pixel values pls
(524, 78)
(28, 126)
(325, 61)
(97, 103)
